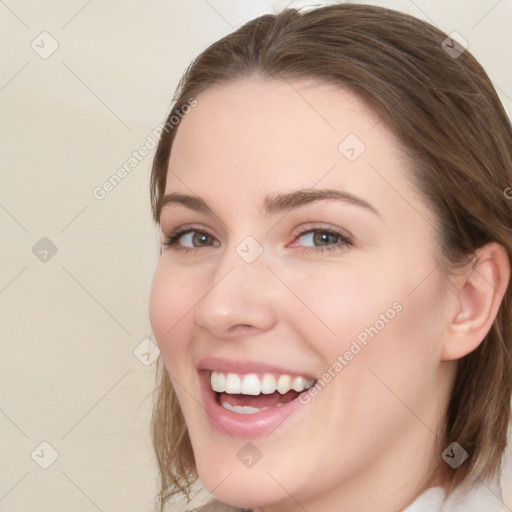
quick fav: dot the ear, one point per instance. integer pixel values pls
(481, 290)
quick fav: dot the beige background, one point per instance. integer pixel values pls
(73, 327)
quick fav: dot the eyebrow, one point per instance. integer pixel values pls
(274, 204)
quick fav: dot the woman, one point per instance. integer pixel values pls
(332, 299)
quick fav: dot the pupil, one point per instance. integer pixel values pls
(322, 237)
(201, 237)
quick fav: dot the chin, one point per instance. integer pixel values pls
(240, 487)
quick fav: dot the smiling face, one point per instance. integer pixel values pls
(337, 284)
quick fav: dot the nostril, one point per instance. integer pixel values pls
(241, 328)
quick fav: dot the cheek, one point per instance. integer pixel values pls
(401, 324)
(170, 300)
(387, 337)
(342, 304)
(383, 315)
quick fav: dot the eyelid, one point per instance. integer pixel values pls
(182, 228)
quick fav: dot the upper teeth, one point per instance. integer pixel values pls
(251, 384)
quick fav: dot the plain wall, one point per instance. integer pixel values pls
(74, 323)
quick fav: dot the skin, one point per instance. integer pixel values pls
(365, 441)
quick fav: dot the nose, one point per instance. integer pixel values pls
(240, 299)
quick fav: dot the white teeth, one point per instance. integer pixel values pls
(268, 384)
(284, 384)
(251, 384)
(297, 384)
(243, 409)
(218, 381)
(233, 384)
(300, 383)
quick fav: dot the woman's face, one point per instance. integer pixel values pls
(270, 287)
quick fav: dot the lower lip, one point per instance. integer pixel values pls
(232, 424)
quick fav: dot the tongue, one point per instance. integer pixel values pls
(258, 401)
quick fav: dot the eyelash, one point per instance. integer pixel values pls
(344, 240)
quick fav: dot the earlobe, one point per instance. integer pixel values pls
(481, 291)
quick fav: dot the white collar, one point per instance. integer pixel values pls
(483, 496)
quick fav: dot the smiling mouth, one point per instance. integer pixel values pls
(253, 393)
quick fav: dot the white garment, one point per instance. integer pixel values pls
(485, 497)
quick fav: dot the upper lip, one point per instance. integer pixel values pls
(244, 367)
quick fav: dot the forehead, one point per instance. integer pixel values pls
(253, 137)
(235, 119)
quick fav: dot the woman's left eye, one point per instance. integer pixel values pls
(324, 239)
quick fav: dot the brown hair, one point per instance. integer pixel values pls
(450, 121)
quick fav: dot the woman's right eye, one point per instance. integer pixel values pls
(186, 240)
